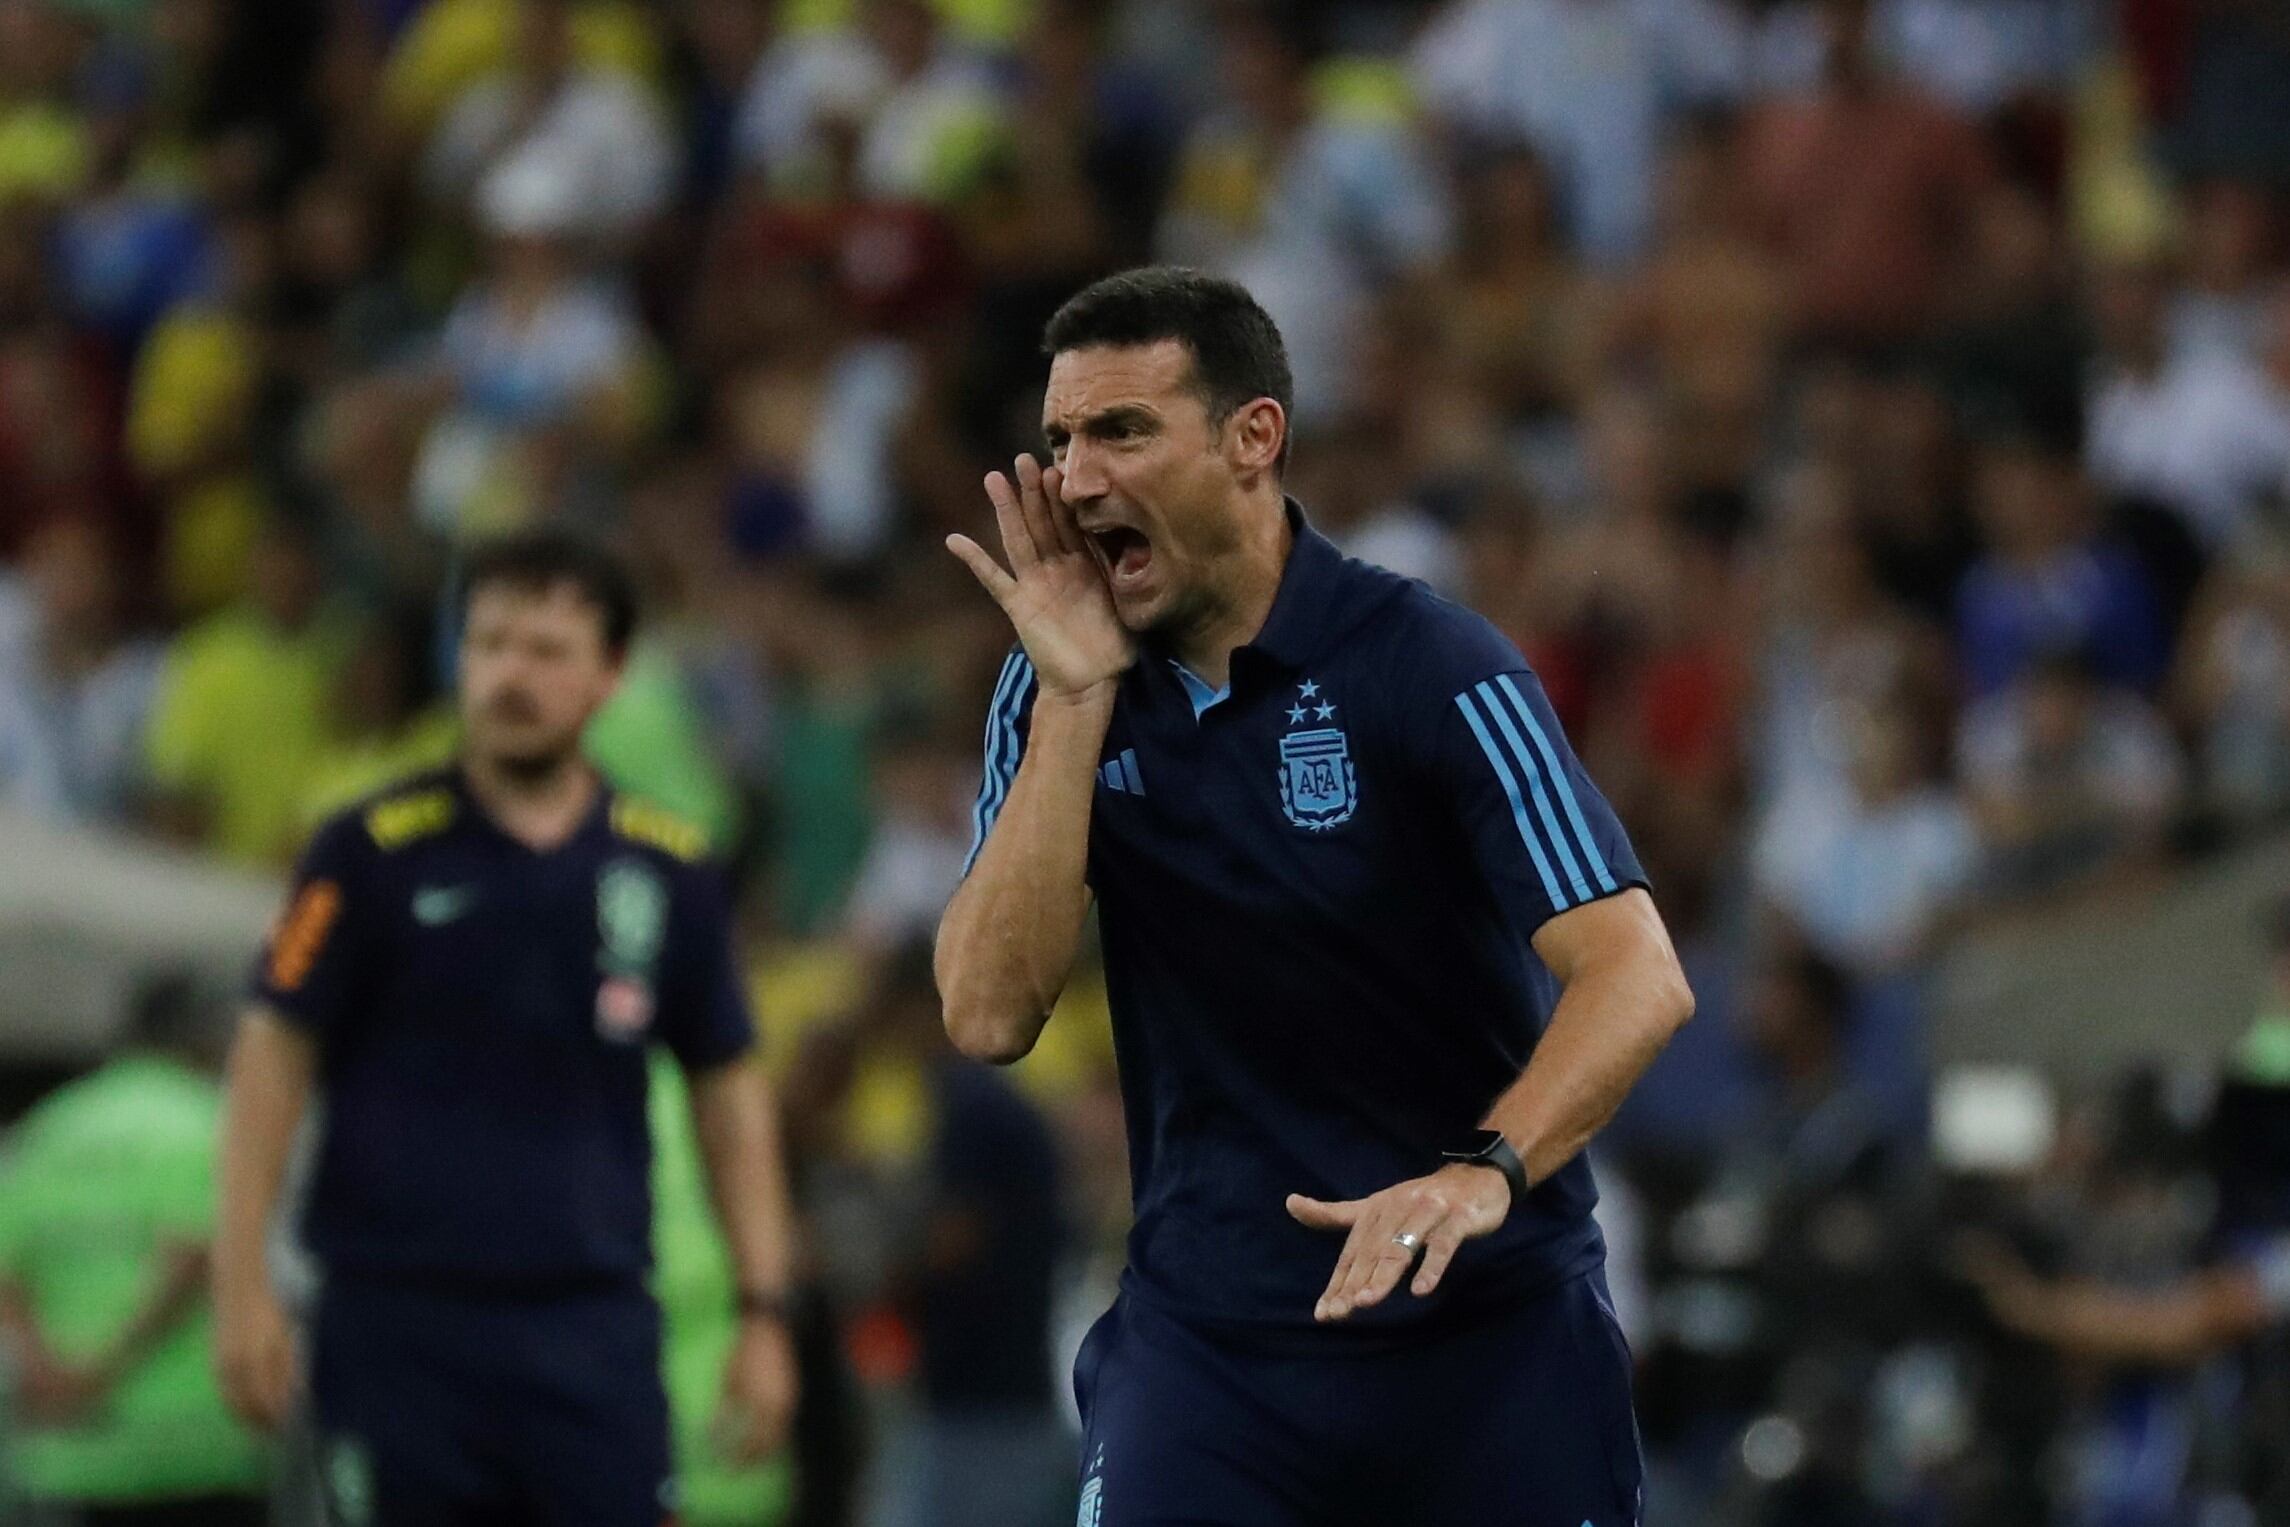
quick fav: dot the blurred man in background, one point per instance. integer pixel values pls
(991, 1445)
(106, 1207)
(470, 970)
(75, 684)
(239, 721)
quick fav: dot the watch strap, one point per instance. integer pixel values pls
(1491, 1149)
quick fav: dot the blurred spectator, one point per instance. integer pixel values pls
(1518, 311)
(648, 740)
(821, 790)
(1818, 1137)
(1835, 642)
(989, 1444)
(1980, 55)
(807, 82)
(45, 146)
(1865, 187)
(1075, 188)
(106, 1206)
(448, 46)
(2206, 432)
(59, 431)
(1355, 481)
(1708, 312)
(1781, 1257)
(719, 43)
(2048, 581)
(1312, 201)
(2068, 777)
(921, 111)
(1868, 874)
(338, 306)
(1896, 438)
(923, 790)
(2010, 336)
(383, 720)
(2123, 1230)
(240, 722)
(193, 412)
(536, 375)
(928, 133)
(812, 413)
(2234, 686)
(594, 128)
(2227, 256)
(1101, 111)
(75, 686)
(135, 240)
(1586, 83)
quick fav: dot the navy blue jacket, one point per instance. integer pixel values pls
(1316, 892)
(481, 1012)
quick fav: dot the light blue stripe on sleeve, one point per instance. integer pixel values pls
(1590, 850)
(993, 751)
(1526, 828)
(1001, 751)
(1534, 774)
(1011, 710)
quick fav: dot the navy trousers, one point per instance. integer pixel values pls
(1521, 1420)
(442, 1409)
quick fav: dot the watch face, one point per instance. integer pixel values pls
(1478, 1143)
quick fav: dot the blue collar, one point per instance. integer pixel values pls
(1306, 613)
(1297, 628)
(1197, 689)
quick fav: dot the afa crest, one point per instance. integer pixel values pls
(1319, 788)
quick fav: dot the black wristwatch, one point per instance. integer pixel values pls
(1487, 1147)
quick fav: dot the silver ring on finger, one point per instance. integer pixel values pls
(1408, 1241)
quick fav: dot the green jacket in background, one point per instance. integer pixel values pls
(692, 1277)
(98, 1181)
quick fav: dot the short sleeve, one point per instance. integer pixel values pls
(309, 967)
(1007, 722)
(704, 1016)
(1539, 830)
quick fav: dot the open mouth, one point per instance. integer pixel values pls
(1126, 553)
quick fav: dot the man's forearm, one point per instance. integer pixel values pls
(2205, 1314)
(738, 1126)
(1610, 1023)
(267, 1087)
(1009, 936)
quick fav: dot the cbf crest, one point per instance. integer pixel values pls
(1319, 788)
(631, 923)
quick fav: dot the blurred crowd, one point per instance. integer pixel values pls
(1871, 417)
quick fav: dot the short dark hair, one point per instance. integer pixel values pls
(536, 561)
(1237, 352)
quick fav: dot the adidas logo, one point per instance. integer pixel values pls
(1121, 774)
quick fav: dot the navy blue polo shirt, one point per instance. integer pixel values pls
(1316, 892)
(481, 1012)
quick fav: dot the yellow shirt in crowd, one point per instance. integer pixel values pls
(240, 728)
